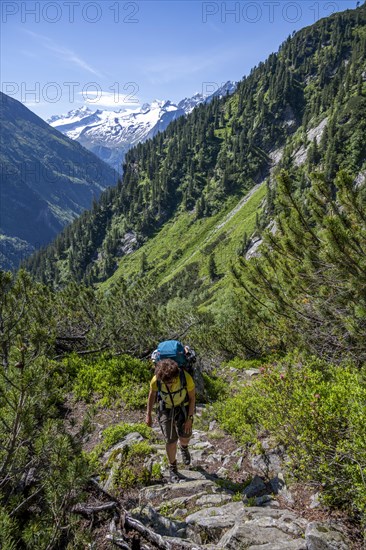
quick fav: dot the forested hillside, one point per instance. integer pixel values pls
(240, 230)
(218, 152)
(46, 181)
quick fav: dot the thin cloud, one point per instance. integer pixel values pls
(172, 68)
(109, 99)
(63, 53)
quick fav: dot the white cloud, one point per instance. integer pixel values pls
(109, 99)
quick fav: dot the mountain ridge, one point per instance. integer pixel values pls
(205, 163)
(110, 134)
(46, 181)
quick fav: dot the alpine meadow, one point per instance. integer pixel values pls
(238, 229)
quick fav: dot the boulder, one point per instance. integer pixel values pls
(112, 464)
(256, 488)
(265, 528)
(268, 463)
(128, 440)
(278, 485)
(209, 524)
(322, 536)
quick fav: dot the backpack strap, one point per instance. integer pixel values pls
(183, 380)
(183, 385)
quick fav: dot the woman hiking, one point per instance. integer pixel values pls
(174, 390)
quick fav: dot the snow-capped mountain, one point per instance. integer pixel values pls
(110, 134)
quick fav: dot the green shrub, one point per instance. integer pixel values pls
(110, 378)
(317, 411)
(114, 434)
(215, 387)
(244, 364)
(133, 469)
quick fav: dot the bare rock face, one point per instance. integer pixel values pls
(317, 132)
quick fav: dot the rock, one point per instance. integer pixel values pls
(278, 485)
(213, 500)
(215, 457)
(238, 452)
(222, 472)
(202, 445)
(317, 132)
(239, 464)
(185, 544)
(268, 463)
(314, 501)
(253, 250)
(195, 474)
(129, 439)
(172, 490)
(276, 155)
(265, 528)
(252, 372)
(179, 513)
(112, 457)
(226, 461)
(212, 426)
(178, 501)
(322, 536)
(256, 488)
(209, 524)
(127, 244)
(297, 544)
(197, 455)
(162, 525)
(263, 500)
(360, 179)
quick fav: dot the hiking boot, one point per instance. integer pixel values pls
(186, 455)
(173, 473)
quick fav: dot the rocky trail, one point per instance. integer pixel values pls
(227, 499)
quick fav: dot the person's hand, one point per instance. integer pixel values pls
(148, 419)
(188, 426)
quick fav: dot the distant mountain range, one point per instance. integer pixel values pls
(46, 180)
(195, 199)
(110, 134)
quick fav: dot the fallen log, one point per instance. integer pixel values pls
(130, 523)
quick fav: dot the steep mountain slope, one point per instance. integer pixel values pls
(302, 109)
(110, 134)
(46, 181)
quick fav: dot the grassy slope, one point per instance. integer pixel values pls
(196, 239)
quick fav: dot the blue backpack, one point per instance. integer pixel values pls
(171, 349)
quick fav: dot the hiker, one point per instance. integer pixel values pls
(172, 347)
(174, 390)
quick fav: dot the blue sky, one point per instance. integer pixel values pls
(59, 55)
